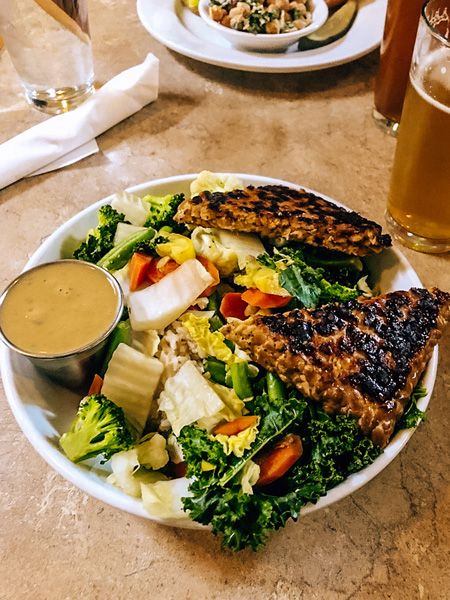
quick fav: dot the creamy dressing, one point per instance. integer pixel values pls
(58, 308)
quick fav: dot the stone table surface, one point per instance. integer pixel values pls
(391, 538)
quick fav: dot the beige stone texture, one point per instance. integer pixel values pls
(390, 539)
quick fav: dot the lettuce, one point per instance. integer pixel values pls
(130, 382)
(188, 397)
(135, 209)
(237, 444)
(210, 343)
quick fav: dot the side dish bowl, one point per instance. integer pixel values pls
(45, 409)
(264, 42)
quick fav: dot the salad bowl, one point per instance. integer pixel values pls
(263, 42)
(45, 410)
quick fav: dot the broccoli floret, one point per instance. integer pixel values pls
(101, 239)
(162, 211)
(99, 428)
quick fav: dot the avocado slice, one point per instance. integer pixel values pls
(335, 27)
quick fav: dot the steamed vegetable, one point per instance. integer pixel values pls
(177, 247)
(333, 448)
(139, 265)
(188, 397)
(255, 297)
(101, 239)
(214, 182)
(119, 255)
(121, 335)
(274, 461)
(157, 306)
(304, 283)
(99, 428)
(210, 343)
(232, 305)
(135, 209)
(162, 209)
(228, 250)
(130, 382)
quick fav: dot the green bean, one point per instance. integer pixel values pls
(216, 368)
(241, 380)
(275, 387)
(118, 256)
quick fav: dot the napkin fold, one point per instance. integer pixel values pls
(42, 144)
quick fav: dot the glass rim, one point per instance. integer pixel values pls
(431, 27)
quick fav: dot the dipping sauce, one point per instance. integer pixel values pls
(59, 307)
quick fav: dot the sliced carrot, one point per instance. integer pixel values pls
(155, 274)
(255, 297)
(96, 385)
(139, 264)
(232, 305)
(236, 426)
(213, 271)
(276, 460)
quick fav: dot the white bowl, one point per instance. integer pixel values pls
(45, 410)
(264, 42)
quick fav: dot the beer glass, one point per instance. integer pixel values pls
(400, 28)
(49, 44)
(418, 211)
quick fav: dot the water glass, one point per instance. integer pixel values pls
(50, 47)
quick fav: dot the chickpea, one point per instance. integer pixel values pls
(226, 21)
(282, 4)
(240, 10)
(272, 27)
(217, 13)
(298, 5)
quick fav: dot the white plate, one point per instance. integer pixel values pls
(44, 410)
(178, 28)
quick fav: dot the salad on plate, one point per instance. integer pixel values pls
(187, 420)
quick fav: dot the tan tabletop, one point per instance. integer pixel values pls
(391, 539)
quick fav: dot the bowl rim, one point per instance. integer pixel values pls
(90, 482)
(228, 32)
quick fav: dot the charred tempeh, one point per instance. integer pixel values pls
(277, 211)
(361, 357)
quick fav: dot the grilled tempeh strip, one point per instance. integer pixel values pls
(278, 211)
(361, 357)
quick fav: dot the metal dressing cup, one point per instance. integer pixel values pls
(74, 367)
(418, 210)
(50, 47)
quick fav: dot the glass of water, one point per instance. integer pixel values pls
(50, 47)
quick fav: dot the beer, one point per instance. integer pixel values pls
(402, 19)
(419, 198)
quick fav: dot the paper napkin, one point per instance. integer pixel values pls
(42, 144)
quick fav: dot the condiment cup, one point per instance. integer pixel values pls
(265, 42)
(75, 368)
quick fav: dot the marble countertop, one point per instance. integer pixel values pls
(390, 539)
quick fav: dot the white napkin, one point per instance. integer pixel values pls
(42, 144)
(70, 158)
